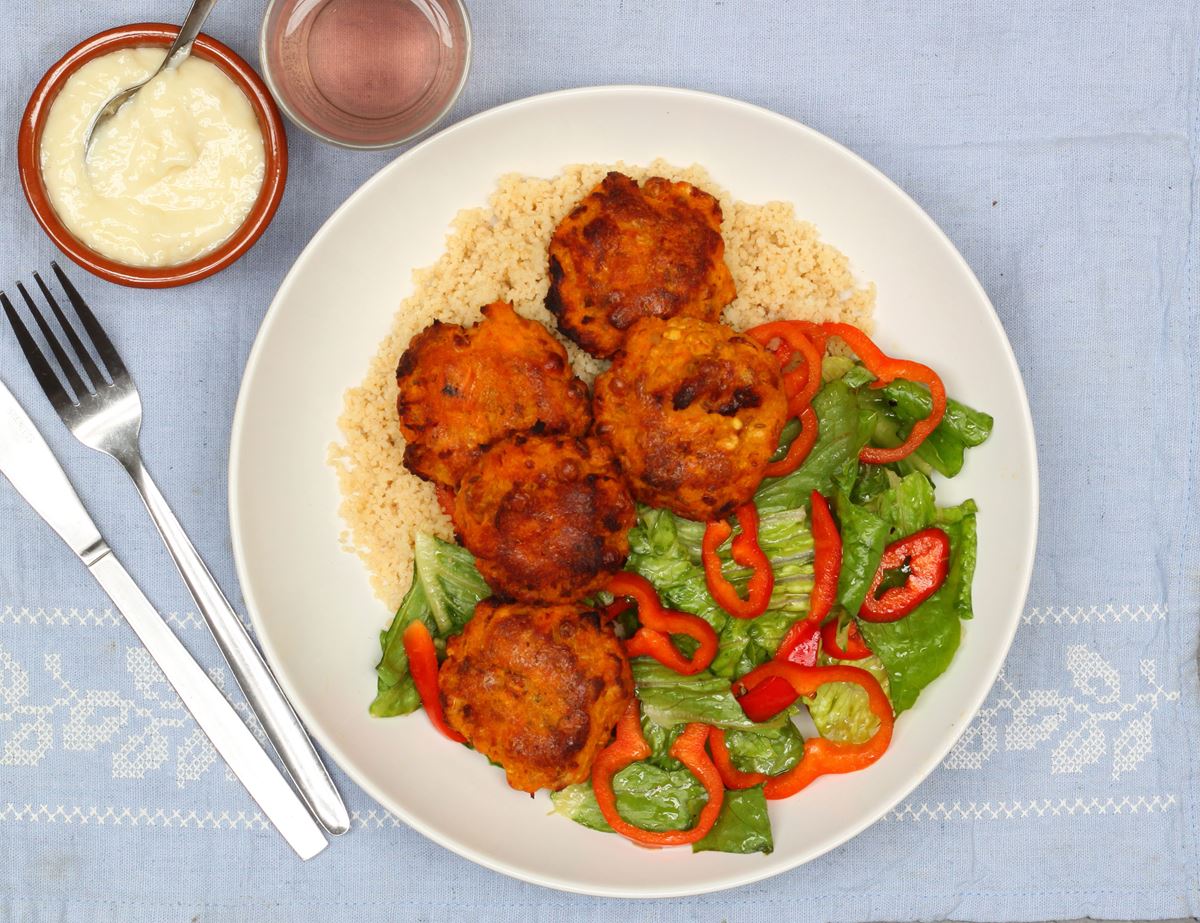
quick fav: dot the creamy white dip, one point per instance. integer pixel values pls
(168, 178)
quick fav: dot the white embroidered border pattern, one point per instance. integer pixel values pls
(1045, 807)
(141, 734)
(11, 812)
(83, 618)
(1097, 716)
(1082, 615)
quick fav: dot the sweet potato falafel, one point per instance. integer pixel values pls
(546, 517)
(626, 252)
(463, 388)
(693, 412)
(537, 689)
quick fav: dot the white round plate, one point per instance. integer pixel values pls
(310, 601)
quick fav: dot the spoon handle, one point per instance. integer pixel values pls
(182, 46)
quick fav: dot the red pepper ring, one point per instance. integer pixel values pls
(746, 551)
(423, 668)
(822, 756)
(827, 559)
(926, 557)
(629, 746)
(733, 777)
(815, 332)
(653, 639)
(855, 649)
(800, 447)
(886, 370)
(792, 340)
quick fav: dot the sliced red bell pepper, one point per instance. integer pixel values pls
(886, 370)
(800, 447)
(746, 551)
(827, 559)
(802, 384)
(803, 640)
(821, 756)
(653, 638)
(801, 643)
(423, 667)
(766, 700)
(629, 746)
(855, 649)
(924, 559)
(785, 339)
(617, 607)
(733, 777)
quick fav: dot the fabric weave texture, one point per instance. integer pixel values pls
(1057, 143)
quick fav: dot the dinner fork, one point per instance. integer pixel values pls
(104, 412)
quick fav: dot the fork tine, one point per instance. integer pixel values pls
(64, 361)
(42, 370)
(80, 350)
(108, 352)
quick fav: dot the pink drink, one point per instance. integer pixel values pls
(365, 73)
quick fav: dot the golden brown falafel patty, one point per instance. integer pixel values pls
(546, 517)
(463, 388)
(627, 252)
(537, 689)
(693, 412)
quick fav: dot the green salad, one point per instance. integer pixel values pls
(876, 506)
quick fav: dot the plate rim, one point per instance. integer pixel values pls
(335, 752)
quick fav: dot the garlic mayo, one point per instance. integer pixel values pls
(169, 177)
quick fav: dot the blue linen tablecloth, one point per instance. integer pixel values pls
(1055, 142)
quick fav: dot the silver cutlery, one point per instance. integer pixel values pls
(26, 460)
(105, 414)
(176, 55)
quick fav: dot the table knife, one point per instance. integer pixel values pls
(28, 463)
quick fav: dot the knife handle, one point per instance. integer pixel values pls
(212, 711)
(260, 687)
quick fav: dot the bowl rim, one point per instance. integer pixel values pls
(274, 654)
(33, 122)
(306, 126)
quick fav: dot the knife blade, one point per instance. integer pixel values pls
(29, 464)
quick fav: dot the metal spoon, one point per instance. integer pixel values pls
(176, 55)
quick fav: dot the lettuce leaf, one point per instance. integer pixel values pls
(918, 648)
(657, 799)
(445, 588)
(864, 536)
(912, 402)
(648, 796)
(770, 752)
(742, 826)
(669, 699)
(665, 549)
(657, 552)
(898, 405)
(908, 506)
(843, 429)
(841, 711)
(395, 692)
